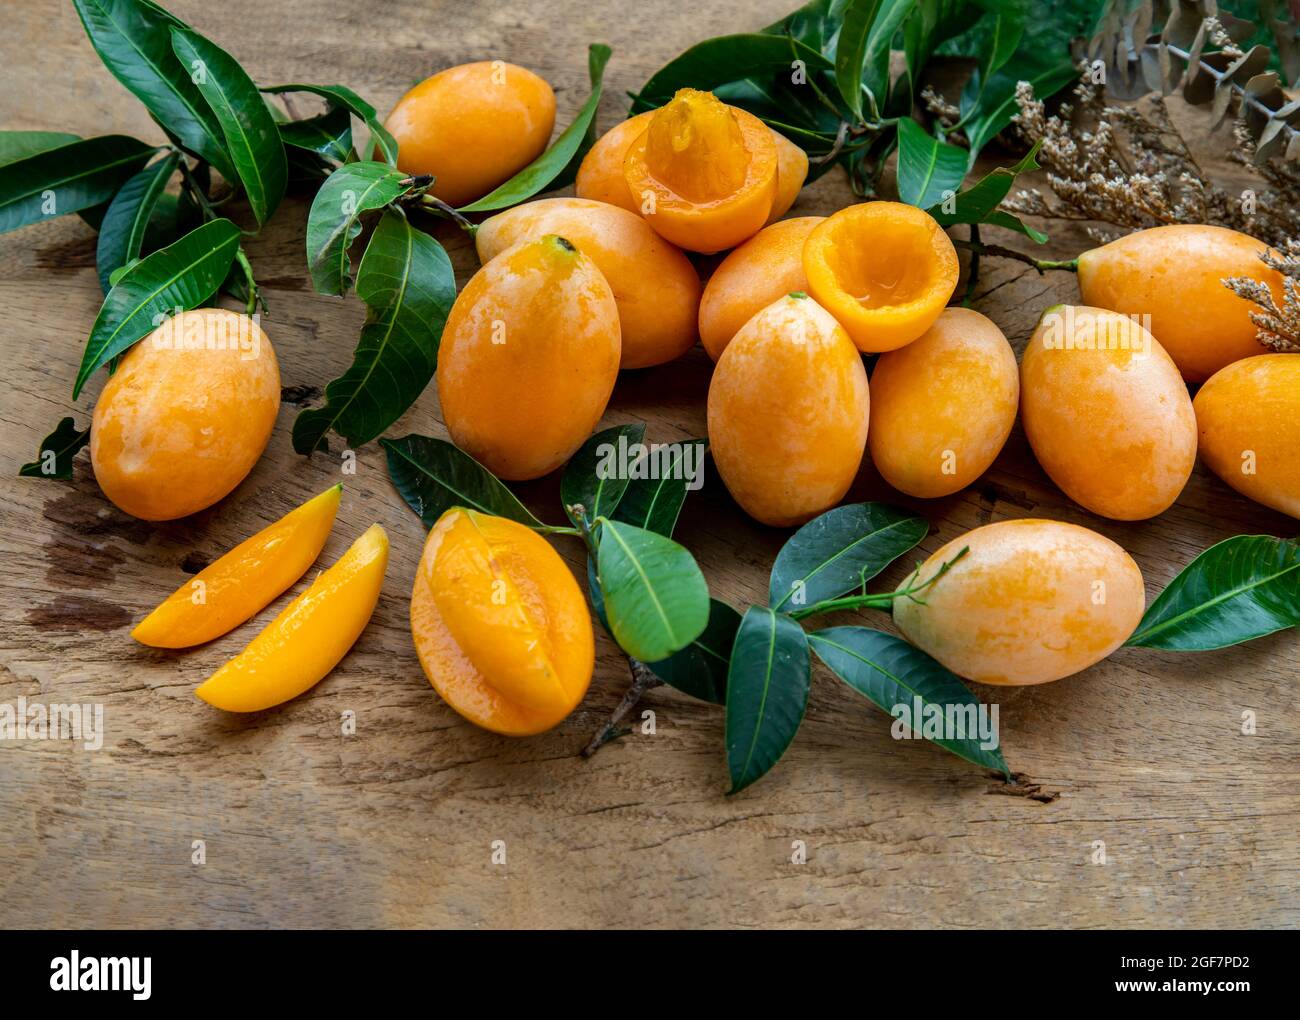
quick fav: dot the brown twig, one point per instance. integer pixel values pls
(642, 680)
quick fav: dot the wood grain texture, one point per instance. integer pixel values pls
(394, 826)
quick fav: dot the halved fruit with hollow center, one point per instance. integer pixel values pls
(704, 174)
(301, 645)
(885, 270)
(243, 582)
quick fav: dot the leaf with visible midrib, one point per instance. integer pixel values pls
(851, 51)
(928, 169)
(329, 134)
(80, 175)
(134, 41)
(654, 503)
(590, 480)
(252, 139)
(700, 669)
(183, 275)
(767, 693)
(834, 553)
(60, 446)
(16, 145)
(122, 232)
(433, 476)
(408, 285)
(559, 162)
(724, 59)
(1240, 589)
(890, 672)
(334, 221)
(358, 106)
(655, 598)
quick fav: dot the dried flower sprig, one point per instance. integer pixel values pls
(1279, 327)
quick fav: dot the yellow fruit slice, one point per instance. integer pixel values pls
(243, 582)
(309, 638)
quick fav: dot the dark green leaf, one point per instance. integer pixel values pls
(593, 478)
(993, 104)
(727, 58)
(57, 451)
(122, 233)
(838, 551)
(887, 21)
(594, 592)
(851, 51)
(549, 169)
(894, 675)
(181, 276)
(816, 24)
(68, 178)
(133, 40)
(408, 285)
(252, 139)
(433, 476)
(362, 110)
(928, 170)
(671, 469)
(329, 134)
(1242, 588)
(700, 669)
(655, 597)
(767, 693)
(979, 203)
(16, 145)
(335, 218)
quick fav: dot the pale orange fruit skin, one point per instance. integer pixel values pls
(1174, 274)
(600, 177)
(792, 171)
(767, 266)
(1113, 428)
(473, 126)
(1031, 601)
(175, 429)
(885, 270)
(945, 402)
(500, 625)
(528, 358)
(1248, 417)
(655, 286)
(788, 413)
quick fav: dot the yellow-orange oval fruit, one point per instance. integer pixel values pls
(1175, 275)
(500, 625)
(791, 172)
(885, 270)
(473, 126)
(1030, 601)
(788, 412)
(703, 174)
(655, 286)
(1106, 412)
(766, 267)
(528, 358)
(186, 415)
(943, 406)
(1248, 415)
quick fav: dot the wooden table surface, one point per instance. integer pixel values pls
(395, 825)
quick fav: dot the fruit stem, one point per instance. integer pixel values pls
(883, 600)
(997, 251)
(254, 292)
(642, 680)
(973, 276)
(441, 208)
(196, 191)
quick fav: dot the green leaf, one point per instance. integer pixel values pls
(16, 145)
(181, 276)
(133, 39)
(359, 108)
(597, 597)
(893, 675)
(816, 24)
(767, 693)
(700, 669)
(655, 597)
(335, 218)
(252, 138)
(994, 103)
(68, 178)
(433, 476)
(928, 170)
(593, 478)
(838, 551)
(888, 19)
(851, 51)
(122, 232)
(654, 502)
(408, 285)
(727, 58)
(1242, 588)
(549, 169)
(57, 451)
(329, 134)
(979, 203)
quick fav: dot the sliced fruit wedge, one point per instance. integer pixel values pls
(243, 582)
(301, 645)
